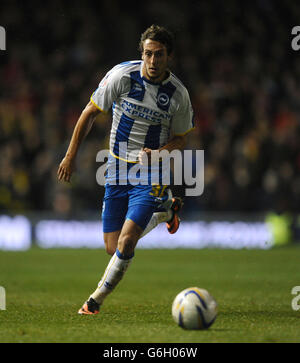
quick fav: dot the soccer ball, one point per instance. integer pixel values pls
(194, 308)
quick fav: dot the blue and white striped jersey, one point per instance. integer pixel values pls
(144, 114)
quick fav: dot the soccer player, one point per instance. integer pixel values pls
(151, 112)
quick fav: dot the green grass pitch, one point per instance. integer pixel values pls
(45, 289)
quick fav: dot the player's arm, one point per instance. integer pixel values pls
(177, 142)
(182, 124)
(82, 128)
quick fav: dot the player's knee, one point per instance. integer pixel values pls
(126, 244)
(110, 250)
(110, 242)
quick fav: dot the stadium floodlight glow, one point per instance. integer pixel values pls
(15, 233)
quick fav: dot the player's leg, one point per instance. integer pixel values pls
(129, 237)
(114, 210)
(170, 217)
(120, 261)
(156, 219)
(167, 211)
(115, 207)
(113, 216)
(163, 211)
(111, 241)
(137, 218)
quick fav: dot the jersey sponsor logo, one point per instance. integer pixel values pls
(144, 112)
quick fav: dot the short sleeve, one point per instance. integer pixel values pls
(108, 90)
(183, 119)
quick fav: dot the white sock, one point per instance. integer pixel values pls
(114, 272)
(157, 218)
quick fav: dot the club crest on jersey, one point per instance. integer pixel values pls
(163, 99)
(164, 95)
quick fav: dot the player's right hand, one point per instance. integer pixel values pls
(65, 169)
(148, 156)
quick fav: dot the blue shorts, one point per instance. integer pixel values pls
(135, 202)
(131, 198)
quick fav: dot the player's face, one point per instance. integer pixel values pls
(156, 60)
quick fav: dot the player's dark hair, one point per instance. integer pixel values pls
(159, 34)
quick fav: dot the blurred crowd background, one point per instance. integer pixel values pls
(234, 57)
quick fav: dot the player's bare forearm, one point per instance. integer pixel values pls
(175, 143)
(81, 130)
